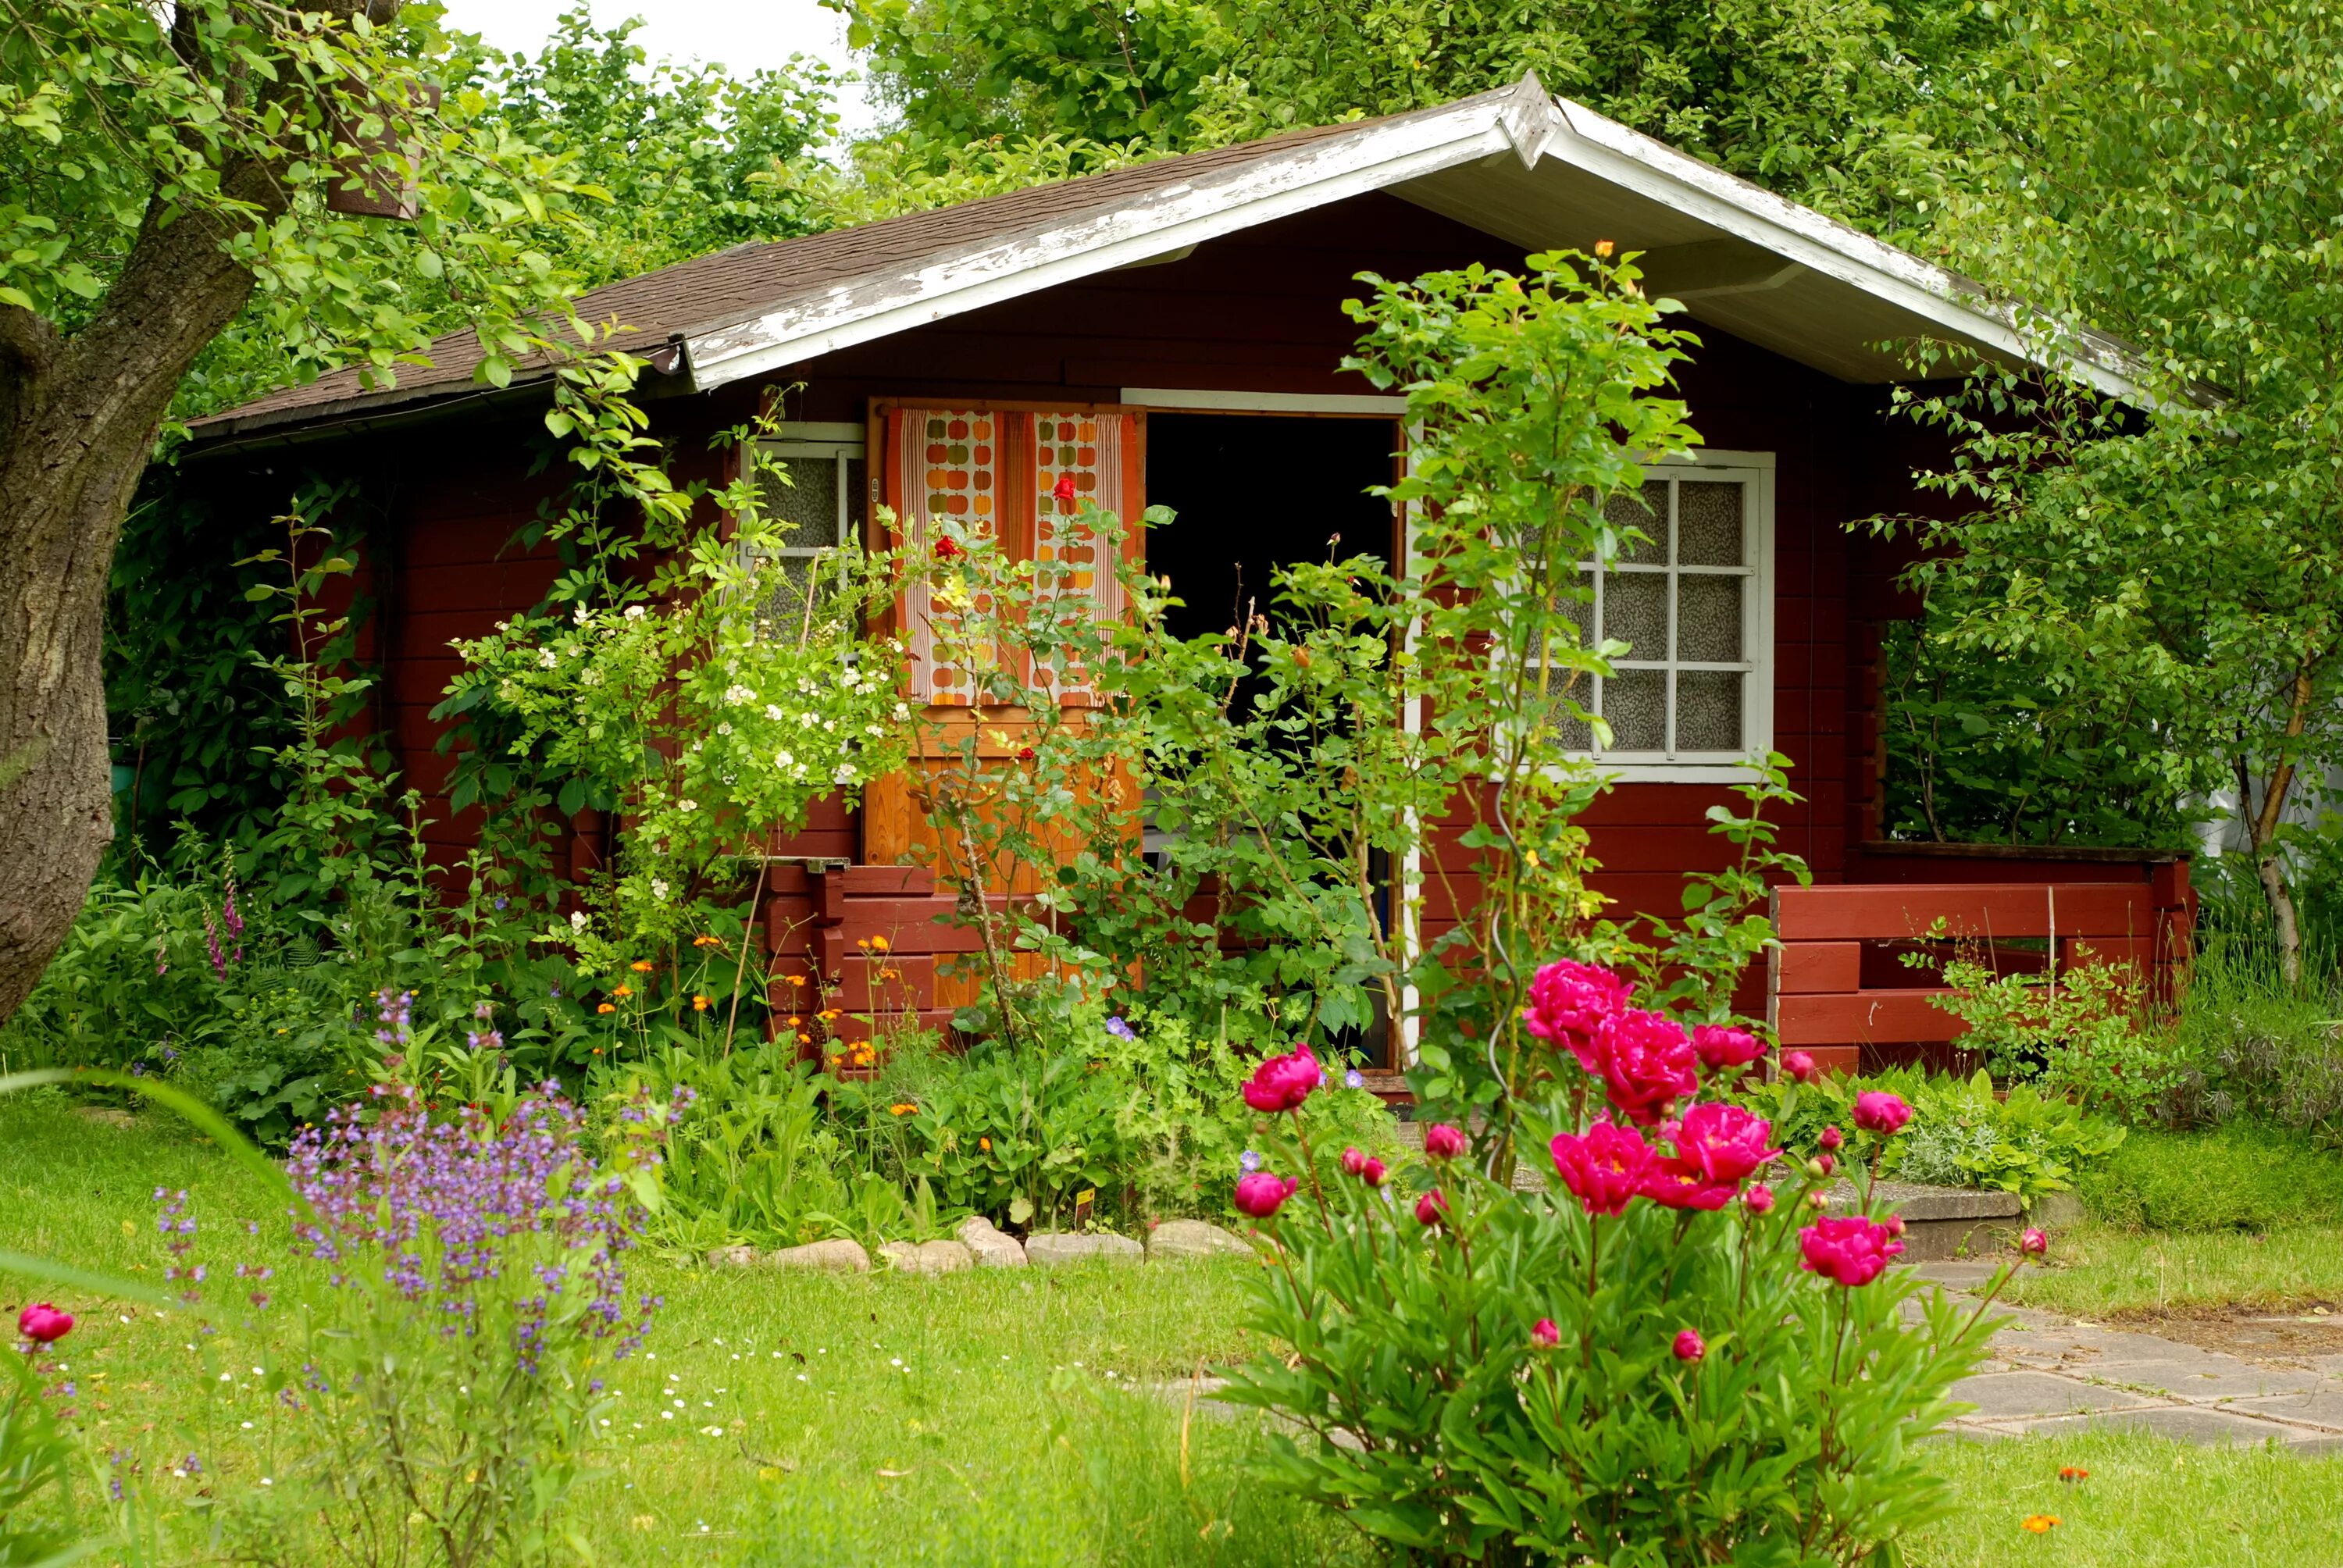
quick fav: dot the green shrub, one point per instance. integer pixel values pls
(2254, 1047)
(2238, 1177)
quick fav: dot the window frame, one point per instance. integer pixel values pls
(1757, 667)
(793, 444)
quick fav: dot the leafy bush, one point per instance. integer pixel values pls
(2236, 1177)
(2082, 1030)
(1654, 1361)
(1961, 1134)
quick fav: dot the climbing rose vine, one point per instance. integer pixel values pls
(1680, 1347)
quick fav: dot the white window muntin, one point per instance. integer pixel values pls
(1676, 749)
(819, 507)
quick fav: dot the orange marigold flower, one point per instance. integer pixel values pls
(862, 942)
(622, 990)
(705, 941)
(699, 1003)
(891, 974)
(985, 1144)
(2039, 1524)
(642, 966)
(606, 1007)
(879, 942)
(805, 1040)
(827, 1014)
(795, 980)
(2072, 1472)
(901, 1110)
(793, 1021)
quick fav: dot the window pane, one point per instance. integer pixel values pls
(1708, 522)
(802, 500)
(1647, 512)
(787, 579)
(1708, 619)
(1575, 734)
(1636, 610)
(1582, 611)
(858, 492)
(1636, 702)
(1709, 710)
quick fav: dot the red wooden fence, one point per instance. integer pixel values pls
(1818, 999)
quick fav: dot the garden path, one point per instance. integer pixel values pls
(2052, 1375)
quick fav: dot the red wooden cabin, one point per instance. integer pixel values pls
(1172, 333)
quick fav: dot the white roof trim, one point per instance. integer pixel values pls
(1329, 169)
(1522, 120)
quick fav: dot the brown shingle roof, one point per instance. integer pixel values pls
(747, 280)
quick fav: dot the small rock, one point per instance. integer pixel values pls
(840, 1253)
(994, 1248)
(1176, 1238)
(1050, 1248)
(740, 1257)
(927, 1257)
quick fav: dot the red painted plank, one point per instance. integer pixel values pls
(1804, 967)
(1858, 1018)
(1883, 913)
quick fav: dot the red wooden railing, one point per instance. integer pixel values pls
(1824, 998)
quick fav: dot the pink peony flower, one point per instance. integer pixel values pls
(1849, 1250)
(1371, 1173)
(1720, 1045)
(1690, 1346)
(1678, 1184)
(1568, 1002)
(1646, 1064)
(44, 1324)
(1881, 1112)
(1605, 1168)
(1284, 1082)
(1355, 1159)
(1799, 1066)
(1759, 1197)
(1831, 1139)
(1442, 1142)
(2033, 1243)
(1545, 1334)
(1724, 1143)
(1432, 1208)
(1261, 1194)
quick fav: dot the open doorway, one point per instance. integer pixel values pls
(1254, 492)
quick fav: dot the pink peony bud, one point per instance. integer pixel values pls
(1605, 1168)
(2034, 1244)
(1442, 1142)
(1880, 1113)
(1432, 1208)
(1895, 1223)
(1822, 1165)
(1355, 1159)
(1568, 1002)
(1799, 1065)
(1759, 1197)
(1261, 1194)
(1690, 1346)
(44, 1324)
(1284, 1082)
(1371, 1173)
(1850, 1250)
(1833, 1139)
(1545, 1334)
(1720, 1045)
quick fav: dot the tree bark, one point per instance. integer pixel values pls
(2269, 863)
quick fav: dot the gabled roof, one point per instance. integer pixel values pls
(1515, 163)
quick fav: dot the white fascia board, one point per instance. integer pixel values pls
(1634, 162)
(1189, 213)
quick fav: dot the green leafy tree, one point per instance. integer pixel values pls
(2168, 174)
(1820, 102)
(161, 169)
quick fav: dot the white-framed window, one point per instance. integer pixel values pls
(1692, 696)
(815, 501)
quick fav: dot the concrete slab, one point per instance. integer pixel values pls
(1957, 1271)
(2322, 1406)
(2019, 1395)
(2200, 1383)
(2186, 1423)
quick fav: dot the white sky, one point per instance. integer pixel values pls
(743, 34)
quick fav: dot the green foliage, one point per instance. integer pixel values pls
(37, 1461)
(1961, 1134)
(2081, 1031)
(1821, 105)
(2238, 1177)
(2255, 1047)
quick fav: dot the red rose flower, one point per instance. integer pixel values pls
(1063, 490)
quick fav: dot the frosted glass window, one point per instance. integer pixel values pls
(815, 499)
(1686, 599)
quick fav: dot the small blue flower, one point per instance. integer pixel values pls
(1248, 1161)
(500, 903)
(1120, 1029)
(1355, 1079)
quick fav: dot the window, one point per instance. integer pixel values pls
(815, 501)
(1692, 696)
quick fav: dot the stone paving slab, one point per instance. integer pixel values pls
(2184, 1423)
(2018, 1395)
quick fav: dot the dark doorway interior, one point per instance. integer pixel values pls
(1253, 493)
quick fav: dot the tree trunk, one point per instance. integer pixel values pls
(78, 418)
(2269, 863)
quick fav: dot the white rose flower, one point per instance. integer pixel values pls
(659, 889)
(687, 806)
(635, 612)
(591, 677)
(805, 721)
(773, 711)
(736, 695)
(545, 656)
(725, 728)
(872, 729)
(903, 710)
(845, 774)
(783, 759)
(577, 920)
(579, 614)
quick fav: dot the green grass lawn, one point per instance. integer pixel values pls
(981, 1418)
(2097, 1270)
